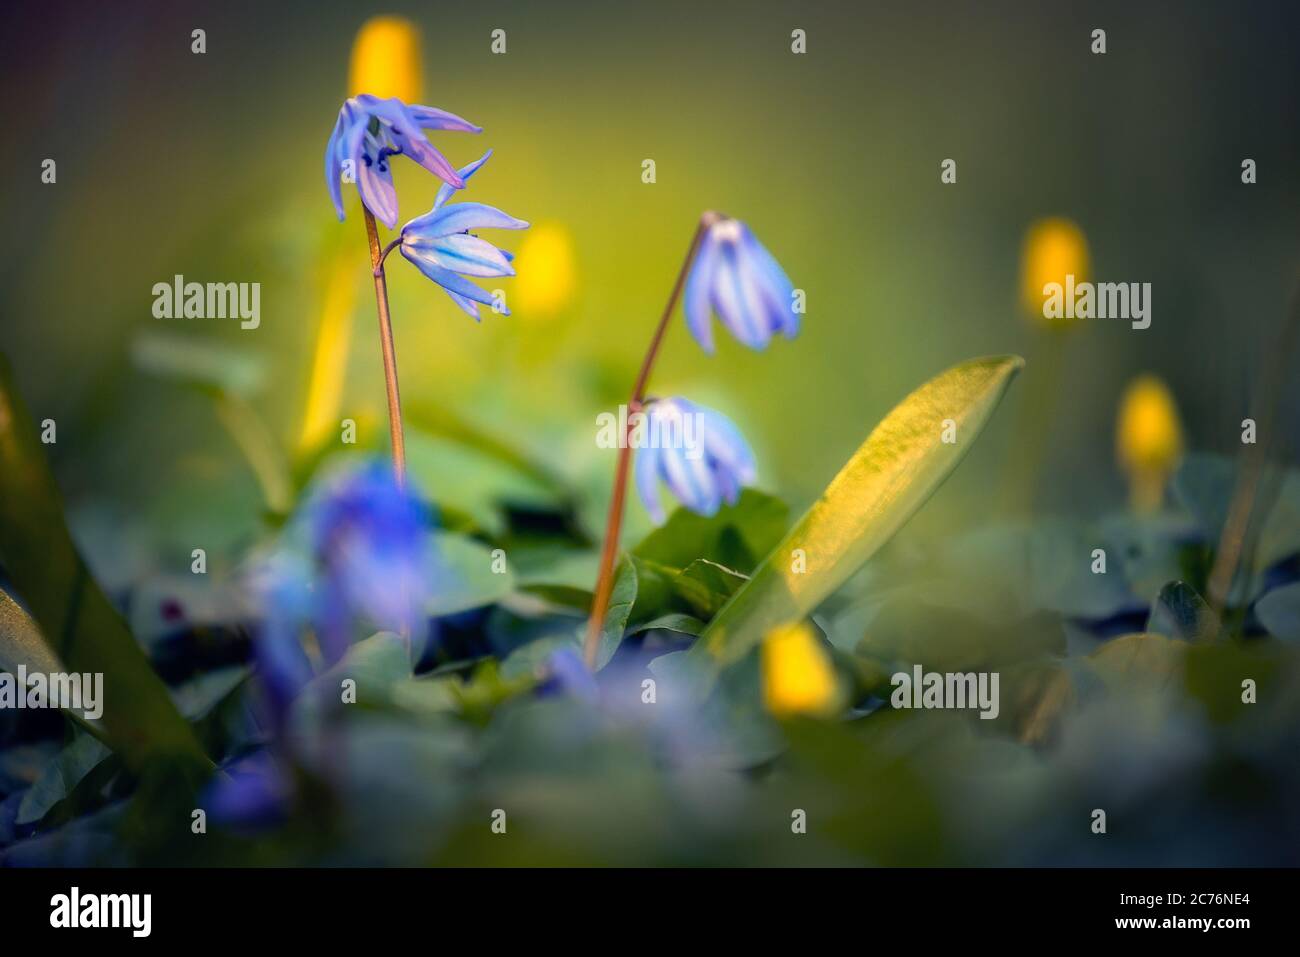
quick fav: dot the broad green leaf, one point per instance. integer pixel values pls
(61, 776)
(681, 624)
(530, 659)
(203, 362)
(701, 588)
(898, 467)
(463, 575)
(468, 481)
(621, 601)
(706, 586)
(736, 536)
(21, 642)
(78, 625)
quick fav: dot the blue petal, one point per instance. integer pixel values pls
(469, 305)
(647, 483)
(406, 133)
(432, 118)
(696, 298)
(445, 277)
(725, 443)
(776, 285)
(732, 307)
(460, 217)
(463, 253)
(375, 185)
(685, 482)
(334, 162)
(445, 191)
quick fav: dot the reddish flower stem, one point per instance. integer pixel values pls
(614, 523)
(377, 256)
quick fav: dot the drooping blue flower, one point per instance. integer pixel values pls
(355, 552)
(368, 534)
(697, 452)
(441, 246)
(249, 795)
(566, 673)
(734, 276)
(368, 131)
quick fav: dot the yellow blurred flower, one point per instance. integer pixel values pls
(386, 59)
(546, 275)
(797, 675)
(1053, 249)
(1148, 439)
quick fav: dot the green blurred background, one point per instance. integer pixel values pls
(211, 166)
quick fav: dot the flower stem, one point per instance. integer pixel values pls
(377, 254)
(614, 523)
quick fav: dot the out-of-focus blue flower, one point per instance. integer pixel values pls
(248, 795)
(698, 453)
(356, 551)
(439, 243)
(568, 674)
(734, 276)
(368, 535)
(369, 130)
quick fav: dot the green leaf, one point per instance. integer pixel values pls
(898, 467)
(77, 624)
(682, 624)
(201, 362)
(21, 642)
(60, 777)
(737, 536)
(621, 600)
(529, 659)
(706, 586)
(465, 480)
(463, 576)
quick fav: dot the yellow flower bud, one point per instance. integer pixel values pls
(386, 59)
(546, 277)
(797, 675)
(1148, 439)
(1053, 249)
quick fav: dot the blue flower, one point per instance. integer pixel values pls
(356, 551)
(249, 795)
(439, 243)
(369, 130)
(368, 534)
(734, 276)
(698, 453)
(567, 674)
